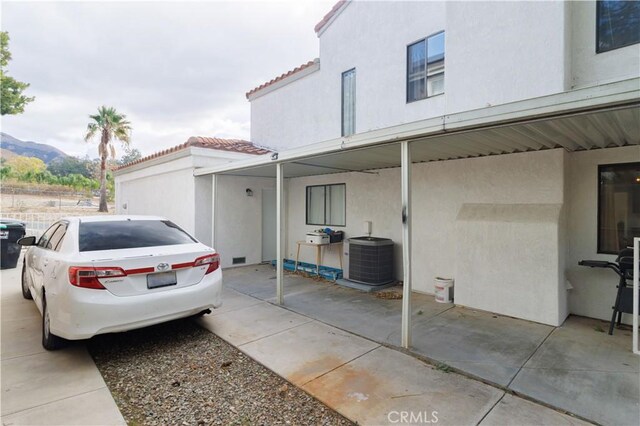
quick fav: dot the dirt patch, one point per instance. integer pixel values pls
(389, 293)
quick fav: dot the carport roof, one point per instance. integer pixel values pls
(595, 117)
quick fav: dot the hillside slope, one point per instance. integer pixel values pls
(46, 153)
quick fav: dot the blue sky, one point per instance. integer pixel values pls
(176, 69)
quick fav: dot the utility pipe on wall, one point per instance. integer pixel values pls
(405, 155)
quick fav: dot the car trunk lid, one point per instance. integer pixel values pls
(150, 269)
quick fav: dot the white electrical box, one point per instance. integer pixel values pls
(366, 227)
(317, 238)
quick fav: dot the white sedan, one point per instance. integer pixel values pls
(104, 274)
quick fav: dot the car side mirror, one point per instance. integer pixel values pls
(27, 241)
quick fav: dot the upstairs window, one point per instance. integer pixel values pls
(617, 24)
(349, 102)
(326, 205)
(618, 206)
(425, 68)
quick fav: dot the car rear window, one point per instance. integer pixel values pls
(125, 234)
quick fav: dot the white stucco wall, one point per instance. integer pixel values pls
(440, 189)
(591, 68)
(499, 52)
(593, 291)
(164, 189)
(496, 52)
(165, 186)
(507, 260)
(567, 181)
(370, 197)
(293, 115)
(238, 218)
(203, 223)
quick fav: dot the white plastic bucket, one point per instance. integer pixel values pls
(443, 290)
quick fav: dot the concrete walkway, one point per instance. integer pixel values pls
(363, 380)
(41, 387)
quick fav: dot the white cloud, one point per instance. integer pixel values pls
(175, 69)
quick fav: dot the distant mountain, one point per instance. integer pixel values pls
(46, 153)
(7, 155)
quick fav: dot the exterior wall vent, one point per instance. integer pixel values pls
(239, 260)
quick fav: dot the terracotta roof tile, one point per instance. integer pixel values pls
(232, 145)
(280, 77)
(334, 11)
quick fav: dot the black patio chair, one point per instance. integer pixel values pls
(623, 266)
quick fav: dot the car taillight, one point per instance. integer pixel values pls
(88, 277)
(213, 260)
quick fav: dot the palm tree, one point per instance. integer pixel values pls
(112, 126)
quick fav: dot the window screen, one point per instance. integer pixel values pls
(618, 24)
(124, 234)
(349, 102)
(326, 205)
(618, 206)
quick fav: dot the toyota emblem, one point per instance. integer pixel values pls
(162, 267)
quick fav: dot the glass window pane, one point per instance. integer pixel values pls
(417, 58)
(435, 48)
(618, 207)
(57, 237)
(44, 239)
(315, 205)
(435, 84)
(348, 102)
(416, 71)
(124, 234)
(618, 24)
(336, 209)
(417, 90)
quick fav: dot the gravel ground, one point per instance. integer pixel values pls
(178, 373)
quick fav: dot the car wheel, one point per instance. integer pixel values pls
(49, 341)
(26, 293)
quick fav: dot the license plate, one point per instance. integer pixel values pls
(162, 279)
(4, 235)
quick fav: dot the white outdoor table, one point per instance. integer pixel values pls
(318, 253)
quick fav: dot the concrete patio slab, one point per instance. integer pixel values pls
(486, 345)
(585, 371)
(379, 386)
(91, 408)
(42, 387)
(360, 312)
(14, 307)
(577, 368)
(232, 300)
(245, 325)
(21, 337)
(30, 381)
(303, 353)
(518, 411)
(260, 281)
